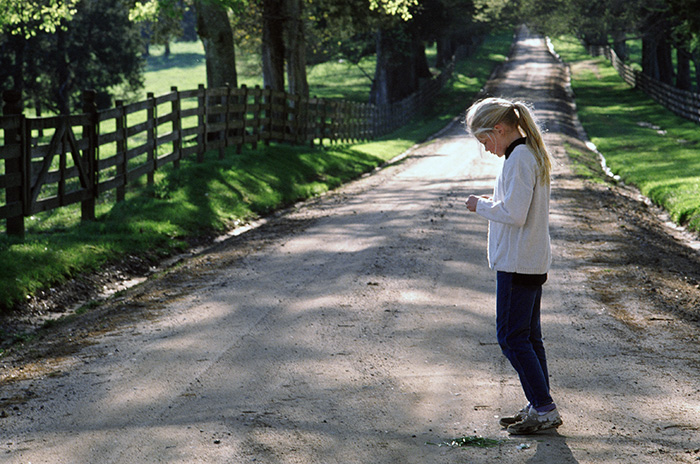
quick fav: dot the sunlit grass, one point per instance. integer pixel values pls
(645, 144)
(185, 68)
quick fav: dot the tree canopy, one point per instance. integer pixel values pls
(29, 17)
(53, 49)
(51, 58)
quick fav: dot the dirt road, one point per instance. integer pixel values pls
(359, 327)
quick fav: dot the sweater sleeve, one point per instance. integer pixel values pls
(518, 182)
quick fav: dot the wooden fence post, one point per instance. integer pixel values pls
(151, 137)
(177, 127)
(267, 107)
(303, 119)
(312, 120)
(123, 164)
(257, 115)
(87, 207)
(334, 122)
(244, 118)
(16, 166)
(323, 125)
(292, 117)
(227, 121)
(202, 115)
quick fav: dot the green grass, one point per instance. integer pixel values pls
(185, 68)
(585, 166)
(643, 143)
(204, 198)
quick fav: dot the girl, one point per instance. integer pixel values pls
(518, 248)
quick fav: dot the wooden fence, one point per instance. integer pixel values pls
(51, 162)
(681, 102)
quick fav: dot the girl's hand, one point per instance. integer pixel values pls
(472, 201)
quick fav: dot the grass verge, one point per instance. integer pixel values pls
(645, 144)
(200, 199)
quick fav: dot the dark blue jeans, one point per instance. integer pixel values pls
(520, 336)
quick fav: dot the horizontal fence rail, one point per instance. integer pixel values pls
(681, 102)
(51, 162)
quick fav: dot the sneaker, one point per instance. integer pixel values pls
(519, 416)
(534, 422)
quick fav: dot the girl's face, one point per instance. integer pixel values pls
(495, 141)
(489, 142)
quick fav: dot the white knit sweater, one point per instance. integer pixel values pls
(518, 214)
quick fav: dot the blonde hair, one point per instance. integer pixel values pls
(483, 116)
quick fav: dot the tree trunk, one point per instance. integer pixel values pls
(18, 46)
(666, 72)
(214, 30)
(683, 79)
(64, 81)
(296, 49)
(421, 60)
(650, 61)
(273, 49)
(445, 50)
(395, 73)
(620, 45)
(696, 63)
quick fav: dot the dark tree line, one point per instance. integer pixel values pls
(99, 49)
(292, 29)
(668, 29)
(100, 44)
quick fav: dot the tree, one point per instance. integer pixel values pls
(398, 34)
(394, 76)
(167, 27)
(26, 18)
(20, 23)
(687, 36)
(452, 23)
(214, 29)
(284, 41)
(273, 49)
(295, 39)
(401, 39)
(688, 13)
(350, 22)
(684, 80)
(98, 48)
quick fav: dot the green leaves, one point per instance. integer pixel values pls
(28, 17)
(144, 11)
(400, 8)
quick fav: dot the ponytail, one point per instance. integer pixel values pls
(535, 142)
(483, 116)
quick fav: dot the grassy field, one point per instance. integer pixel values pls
(216, 195)
(185, 67)
(643, 143)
